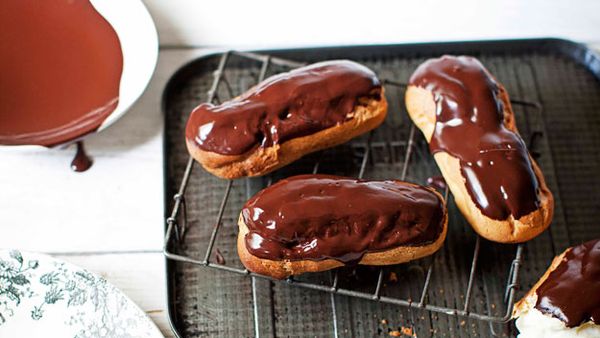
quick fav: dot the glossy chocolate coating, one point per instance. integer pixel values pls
(470, 126)
(288, 105)
(571, 292)
(317, 217)
(60, 66)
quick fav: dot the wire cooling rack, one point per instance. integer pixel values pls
(177, 223)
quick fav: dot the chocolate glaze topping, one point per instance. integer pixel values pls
(60, 66)
(288, 105)
(470, 126)
(571, 292)
(317, 217)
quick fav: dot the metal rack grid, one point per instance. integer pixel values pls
(177, 222)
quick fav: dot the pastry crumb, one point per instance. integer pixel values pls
(384, 321)
(404, 331)
(407, 331)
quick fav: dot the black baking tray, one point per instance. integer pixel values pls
(562, 76)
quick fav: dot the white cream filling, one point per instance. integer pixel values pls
(534, 324)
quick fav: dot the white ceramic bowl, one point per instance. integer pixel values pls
(139, 42)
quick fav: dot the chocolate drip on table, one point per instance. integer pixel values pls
(317, 217)
(470, 126)
(285, 106)
(60, 66)
(81, 162)
(571, 292)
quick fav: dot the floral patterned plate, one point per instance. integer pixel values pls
(44, 297)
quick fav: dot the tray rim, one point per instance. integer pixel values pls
(578, 52)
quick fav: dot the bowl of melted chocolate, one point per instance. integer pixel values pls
(71, 67)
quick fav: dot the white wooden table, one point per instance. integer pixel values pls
(110, 218)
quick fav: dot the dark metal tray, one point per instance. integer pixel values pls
(467, 279)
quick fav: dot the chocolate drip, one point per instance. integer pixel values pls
(285, 106)
(81, 162)
(319, 216)
(470, 126)
(60, 66)
(219, 257)
(571, 292)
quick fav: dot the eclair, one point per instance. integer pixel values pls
(467, 118)
(565, 302)
(311, 223)
(286, 117)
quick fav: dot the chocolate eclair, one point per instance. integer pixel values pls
(312, 223)
(565, 302)
(286, 117)
(467, 118)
